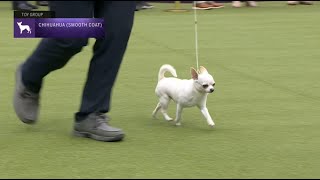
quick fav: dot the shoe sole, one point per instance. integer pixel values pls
(116, 138)
(147, 7)
(202, 8)
(218, 7)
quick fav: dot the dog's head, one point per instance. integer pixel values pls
(204, 82)
(19, 23)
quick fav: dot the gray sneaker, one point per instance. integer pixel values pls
(96, 126)
(25, 102)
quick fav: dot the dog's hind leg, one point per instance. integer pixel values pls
(178, 115)
(154, 113)
(164, 102)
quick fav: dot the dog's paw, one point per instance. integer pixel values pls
(169, 119)
(178, 124)
(211, 125)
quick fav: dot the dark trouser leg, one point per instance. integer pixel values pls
(52, 54)
(108, 54)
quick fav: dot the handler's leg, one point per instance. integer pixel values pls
(104, 66)
(51, 54)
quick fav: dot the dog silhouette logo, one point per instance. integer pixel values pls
(24, 27)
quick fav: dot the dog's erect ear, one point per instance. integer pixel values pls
(194, 74)
(203, 70)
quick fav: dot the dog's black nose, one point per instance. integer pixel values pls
(211, 90)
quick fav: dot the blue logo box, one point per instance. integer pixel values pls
(59, 28)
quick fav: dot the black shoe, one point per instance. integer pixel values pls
(146, 5)
(42, 3)
(95, 126)
(32, 6)
(26, 103)
(138, 6)
(306, 2)
(21, 7)
(143, 5)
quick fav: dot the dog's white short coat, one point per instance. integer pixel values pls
(185, 93)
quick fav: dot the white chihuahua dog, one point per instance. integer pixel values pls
(186, 93)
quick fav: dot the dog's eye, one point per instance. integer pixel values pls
(205, 85)
(213, 84)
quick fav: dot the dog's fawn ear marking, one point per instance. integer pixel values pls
(203, 70)
(194, 74)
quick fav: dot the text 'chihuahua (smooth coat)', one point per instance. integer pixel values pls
(185, 93)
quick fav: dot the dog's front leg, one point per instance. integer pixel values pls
(154, 113)
(178, 115)
(205, 112)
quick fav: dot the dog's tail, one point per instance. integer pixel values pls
(164, 68)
